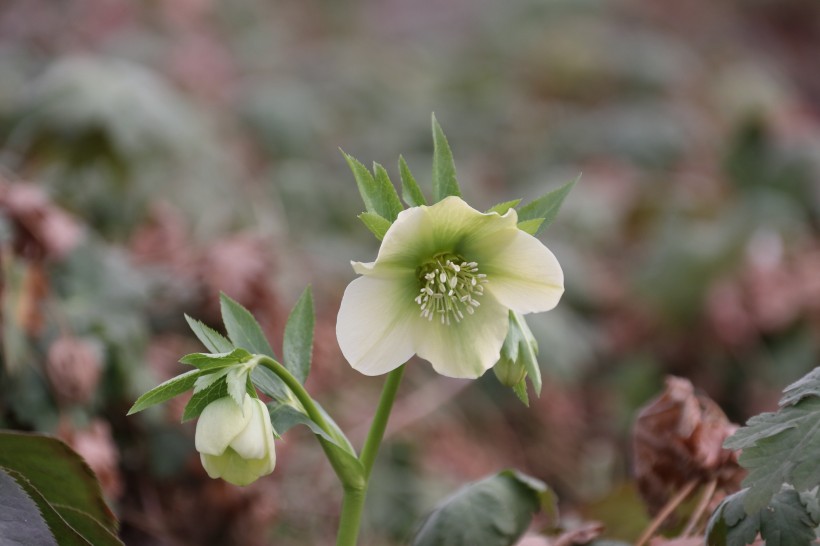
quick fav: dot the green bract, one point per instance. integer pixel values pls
(443, 283)
(236, 443)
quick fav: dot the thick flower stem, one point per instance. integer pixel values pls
(353, 502)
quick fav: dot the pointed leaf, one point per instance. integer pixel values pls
(20, 520)
(392, 205)
(57, 473)
(378, 193)
(297, 346)
(375, 223)
(495, 511)
(808, 385)
(531, 226)
(546, 206)
(502, 208)
(165, 391)
(243, 330)
(410, 190)
(199, 401)
(520, 390)
(207, 361)
(213, 340)
(444, 169)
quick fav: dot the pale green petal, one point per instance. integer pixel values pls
(421, 232)
(374, 323)
(252, 443)
(215, 465)
(221, 421)
(523, 274)
(232, 468)
(468, 348)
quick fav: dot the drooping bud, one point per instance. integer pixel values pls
(518, 356)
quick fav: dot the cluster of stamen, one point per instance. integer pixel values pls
(449, 289)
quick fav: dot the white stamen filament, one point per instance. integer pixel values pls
(450, 286)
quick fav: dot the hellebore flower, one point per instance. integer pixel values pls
(443, 283)
(236, 444)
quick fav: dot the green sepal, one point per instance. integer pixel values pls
(502, 208)
(410, 190)
(378, 193)
(546, 206)
(166, 390)
(297, 345)
(520, 390)
(375, 223)
(208, 361)
(444, 168)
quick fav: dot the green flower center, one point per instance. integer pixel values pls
(450, 288)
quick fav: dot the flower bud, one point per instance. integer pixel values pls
(517, 353)
(236, 444)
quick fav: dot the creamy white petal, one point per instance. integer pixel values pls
(523, 274)
(220, 422)
(252, 443)
(374, 323)
(468, 348)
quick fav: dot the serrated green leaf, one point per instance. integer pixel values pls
(378, 193)
(546, 206)
(208, 361)
(410, 190)
(200, 400)
(520, 390)
(243, 330)
(284, 417)
(375, 223)
(531, 226)
(502, 208)
(808, 385)
(213, 340)
(237, 381)
(297, 346)
(444, 169)
(392, 204)
(779, 448)
(495, 511)
(165, 391)
(21, 521)
(57, 473)
(785, 521)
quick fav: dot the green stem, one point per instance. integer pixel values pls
(351, 477)
(353, 501)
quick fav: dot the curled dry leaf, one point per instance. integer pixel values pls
(42, 231)
(73, 368)
(678, 437)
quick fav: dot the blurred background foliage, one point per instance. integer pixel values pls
(154, 153)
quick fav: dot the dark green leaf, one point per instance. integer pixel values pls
(808, 385)
(270, 384)
(779, 448)
(208, 361)
(284, 417)
(165, 391)
(375, 223)
(213, 340)
(378, 193)
(410, 190)
(492, 512)
(502, 208)
(785, 521)
(57, 472)
(546, 206)
(297, 346)
(20, 520)
(200, 400)
(444, 169)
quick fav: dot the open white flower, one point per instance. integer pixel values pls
(442, 285)
(236, 444)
